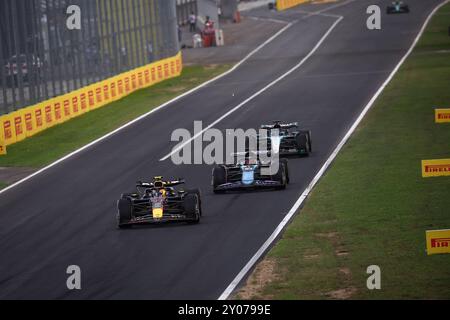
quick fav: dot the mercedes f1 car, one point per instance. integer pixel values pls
(248, 174)
(286, 139)
(158, 201)
(397, 7)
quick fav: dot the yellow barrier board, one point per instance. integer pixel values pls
(442, 115)
(39, 114)
(2, 143)
(48, 114)
(438, 241)
(286, 4)
(19, 125)
(2, 146)
(435, 168)
(28, 121)
(9, 136)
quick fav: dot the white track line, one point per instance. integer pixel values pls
(150, 112)
(267, 87)
(229, 290)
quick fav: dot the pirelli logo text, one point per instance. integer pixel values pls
(435, 168)
(442, 115)
(438, 241)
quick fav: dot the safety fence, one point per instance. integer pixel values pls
(27, 122)
(41, 57)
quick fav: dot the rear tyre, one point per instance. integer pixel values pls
(281, 176)
(302, 143)
(284, 162)
(309, 142)
(192, 208)
(124, 213)
(219, 178)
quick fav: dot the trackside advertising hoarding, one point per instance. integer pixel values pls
(438, 241)
(435, 168)
(442, 115)
(26, 122)
(286, 4)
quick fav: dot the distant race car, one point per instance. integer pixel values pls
(246, 174)
(290, 140)
(159, 201)
(397, 7)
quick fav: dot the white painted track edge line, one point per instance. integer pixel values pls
(256, 94)
(248, 56)
(240, 276)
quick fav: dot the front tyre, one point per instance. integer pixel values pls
(124, 213)
(191, 205)
(199, 196)
(219, 178)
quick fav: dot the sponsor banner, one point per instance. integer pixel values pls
(49, 117)
(58, 111)
(435, 168)
(39, 117)
(84, 103)
(19, 125)
(2, 137)
(90, 97)
(286, 4)
(133, 81)
(113, 89)
(107, 92)
(7, 127)
(438, 241)
(30, 122)
(27, 122)
(2, 144)
(442, 115)
(75, 104)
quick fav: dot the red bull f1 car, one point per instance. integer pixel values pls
(158, 201)
(249, 174)
(286, 139)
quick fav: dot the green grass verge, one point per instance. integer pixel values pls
(60, 140)
(373, 207)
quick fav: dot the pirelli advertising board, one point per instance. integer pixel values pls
(435, 168)
(438, 241)
(442, 115)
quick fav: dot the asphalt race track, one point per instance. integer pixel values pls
(66, 215)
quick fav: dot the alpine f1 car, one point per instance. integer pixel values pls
(397, 7)
(287, 139)
(158, 201)
(248, 174)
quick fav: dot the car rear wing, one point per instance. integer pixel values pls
(150, 185)
(279, 125)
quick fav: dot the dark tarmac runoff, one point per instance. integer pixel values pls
(66, 215)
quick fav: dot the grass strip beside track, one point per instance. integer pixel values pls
(60, 140)
(373, 207)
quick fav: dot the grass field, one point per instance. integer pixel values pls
(373, 207)
(60, 140)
